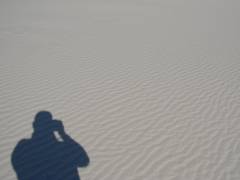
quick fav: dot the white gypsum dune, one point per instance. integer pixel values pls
(150, 89)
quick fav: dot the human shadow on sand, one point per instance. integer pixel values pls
(46, 157)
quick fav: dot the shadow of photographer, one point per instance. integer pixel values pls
(47, 157)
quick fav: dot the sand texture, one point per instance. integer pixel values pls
(150, 89)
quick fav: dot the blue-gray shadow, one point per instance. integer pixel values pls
(45, 157)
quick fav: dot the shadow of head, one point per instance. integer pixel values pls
(43, 122)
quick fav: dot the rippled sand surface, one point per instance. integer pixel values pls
(151, 89)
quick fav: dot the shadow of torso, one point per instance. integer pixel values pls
(41, 159)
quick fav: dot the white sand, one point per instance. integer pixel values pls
(151, 89)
